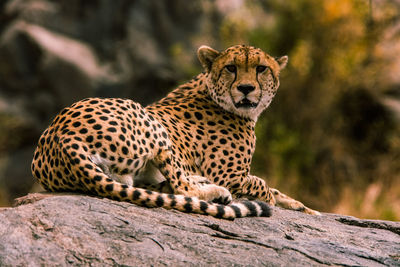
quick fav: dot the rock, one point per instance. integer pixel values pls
(71, 230)
(17, 180)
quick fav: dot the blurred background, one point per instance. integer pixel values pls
(331, 137)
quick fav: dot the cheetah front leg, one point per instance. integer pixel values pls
(287, 202)
(256, 188)
(192, 185)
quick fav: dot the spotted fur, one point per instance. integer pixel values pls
(190, 151)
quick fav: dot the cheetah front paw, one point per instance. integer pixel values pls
(287, 202)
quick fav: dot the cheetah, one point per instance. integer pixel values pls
(191, 151)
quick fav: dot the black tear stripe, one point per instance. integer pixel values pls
(230, 86)
(259, 83)
(273, 76)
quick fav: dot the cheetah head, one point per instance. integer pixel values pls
(242, 79)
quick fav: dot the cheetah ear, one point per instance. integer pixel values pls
(206, 56)
(282, 61)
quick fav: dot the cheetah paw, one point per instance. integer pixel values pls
(287, 202)
(216, 194)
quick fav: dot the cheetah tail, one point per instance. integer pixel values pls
(147, 198)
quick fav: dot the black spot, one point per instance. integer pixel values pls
(83, 131)
(109, 187)
(88, 166)
(103, 118)
(97, 178)
(97, 127)
(149, 192)
(160, 201)
(187, 115)
(123, 193)
(136, 195)
(42, 141)
(76, 124)
(89, 139)
(125, 150)
(74, 146)
(76, 114)
(112, 129)
(113, 147)
(188, 207)
(198, 115)
(97, 145)
(222, 141)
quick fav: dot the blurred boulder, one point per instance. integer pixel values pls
(49, 69)
(53, 53)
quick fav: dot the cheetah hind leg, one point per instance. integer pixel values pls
(152, 179)
(207, 190)
(189, 185)
(287, 202)
(211, 192)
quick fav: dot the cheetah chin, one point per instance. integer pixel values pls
(246, 104)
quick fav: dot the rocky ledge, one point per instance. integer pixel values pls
(72, 230)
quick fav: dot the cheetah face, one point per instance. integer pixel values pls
(241, 79)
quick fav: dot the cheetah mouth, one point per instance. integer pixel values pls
(245, 103)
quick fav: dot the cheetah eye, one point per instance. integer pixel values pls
(260, 68)
(231, 68)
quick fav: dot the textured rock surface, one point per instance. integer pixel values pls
(75, 230)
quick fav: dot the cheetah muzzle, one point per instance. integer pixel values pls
(190, 151)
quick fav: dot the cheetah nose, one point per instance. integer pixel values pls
(246, 88)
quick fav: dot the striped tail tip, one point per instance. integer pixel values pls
(252, 209)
